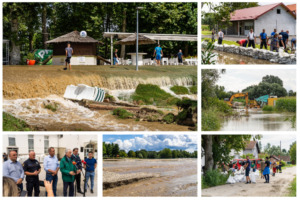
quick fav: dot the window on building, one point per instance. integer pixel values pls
(46, 144)
(11, 141)
(9, 149)
(278, 11)
(30, 143)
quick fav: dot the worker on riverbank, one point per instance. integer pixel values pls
(69, 52)
(220, 37)
(251, 39)
(247, 168)
(274, 43)
(242, 43)
(263, 39)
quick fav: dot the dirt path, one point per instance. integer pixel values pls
(278, 186)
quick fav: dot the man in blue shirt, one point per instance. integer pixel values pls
(13, 169)
(69, 52)
(263, 39)
(274, 32)
(248, 167)
(51, 167)
(285, 38)
(90, 166)
(158, 53)
(180, 56)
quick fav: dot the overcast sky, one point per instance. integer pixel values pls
(153, 142)
(206, 9)
(286, 140)
(239, 79)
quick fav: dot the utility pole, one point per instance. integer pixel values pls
(280, 148)
(137, 37)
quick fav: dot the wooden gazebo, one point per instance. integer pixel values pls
(85, 49)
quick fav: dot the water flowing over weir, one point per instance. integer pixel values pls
(44, 86)
(68, 114)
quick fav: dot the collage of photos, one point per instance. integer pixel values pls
(100, 99)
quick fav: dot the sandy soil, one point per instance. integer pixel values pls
(278, 186)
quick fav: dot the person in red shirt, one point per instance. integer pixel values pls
(242, 42)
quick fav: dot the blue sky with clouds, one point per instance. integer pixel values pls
(153, 142)
(239, 79)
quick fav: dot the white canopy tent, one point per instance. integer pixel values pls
(153, 36)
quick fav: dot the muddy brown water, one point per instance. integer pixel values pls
(225, 58)
(258, 120)
(177, 177)
(70, 116)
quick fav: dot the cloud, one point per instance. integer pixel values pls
(236, 79)
(159, 142)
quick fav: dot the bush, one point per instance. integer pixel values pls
(169, 118)
(10, 123)
(214, 178)
(151, 94)
(220, 105)
(293, 188)
(179, 90)
(122, 113)
(210, 120)
(193, 89)
(268, 108)
(286, 104)
(283, 163)
(51, 106)
(205, 27)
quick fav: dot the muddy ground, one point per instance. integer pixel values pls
(176, 177)
(278, 187)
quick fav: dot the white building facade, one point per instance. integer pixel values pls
(40, 143)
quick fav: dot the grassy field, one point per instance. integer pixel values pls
(293, 189)
(40, 81)
(11, 123)
(205, 32)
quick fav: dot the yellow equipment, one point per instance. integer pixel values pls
(236, 96)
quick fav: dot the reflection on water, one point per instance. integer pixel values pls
(177, 177)
(225, 58)
(258, 120)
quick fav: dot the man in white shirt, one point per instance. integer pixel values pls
(251, 39)
(220, 36)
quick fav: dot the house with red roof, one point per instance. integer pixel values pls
(269, 17)
(251, 147)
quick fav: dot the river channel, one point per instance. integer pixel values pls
(258, 120)
(225, 58)
(177, 177)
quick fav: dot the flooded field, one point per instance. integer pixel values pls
(176, 177)
(257, 120)
(225, 58)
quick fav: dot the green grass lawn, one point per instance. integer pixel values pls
(293, 189)
(11, 123)
(205, 32)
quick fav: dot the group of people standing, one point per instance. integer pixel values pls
(70, 166)
(276, 39)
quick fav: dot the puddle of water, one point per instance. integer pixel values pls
(257, 120)
(177, 177)
(225, 58)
